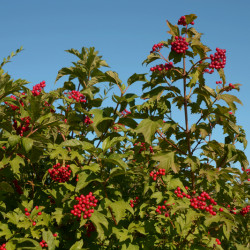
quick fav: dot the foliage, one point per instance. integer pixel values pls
(146, 179)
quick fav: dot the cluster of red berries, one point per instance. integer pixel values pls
(43, 243)
(85, 205)
(60, 173)
(134, 202)
(163, 209)
(245, 210)
(182, 21)
(24, 126)
(46, 104)
(208, 71)
(37, 89)
(181, 194)
(125, 112)
(27, 213)
(2, 247)
(218, 82)
(157, 47)
(77, 96)
(180, 45)
(142, 145)
(116, 128)
(230, 87)
(154, 174)
(218, 241)
(77, 177)
(200, 203)
(247, 172)
(90, 228)
(87, 120)
(162, 67)
(14, 107)
(18, 188)
(218, 60)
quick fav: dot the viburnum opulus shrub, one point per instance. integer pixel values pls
(77, 175)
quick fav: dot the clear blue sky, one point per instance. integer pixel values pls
(123, 32)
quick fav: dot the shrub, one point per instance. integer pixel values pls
(77, 175)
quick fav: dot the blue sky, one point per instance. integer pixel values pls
(124, 33)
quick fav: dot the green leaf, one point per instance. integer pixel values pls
(58, 215)
(13, 140)
(190, 18)
(229, 99)
(49, 239)
(107, 143)
(151, 58)
(84, 180)
(27, 144)
(6, 187)
(148, 128)
(113, 77)
(5, 231)
(25, 244)
(166, 160)
(174, 29)
(77, 246)
(119, 208)
(136, 78)
(100, 221)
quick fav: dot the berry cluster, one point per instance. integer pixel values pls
(142, 145)
(233, 211)
(2, 247)
(208, 71)
(60, 173)
(200, 203)
(218, 60)
(179, 45)
(163, 209)
(37, 89)
(14, 107)
(181, 194)
(27, 213)
(230, 87)
(154, 174)
(161, 67)
(134, 202)
(24, 126)
(77, 96)
(218, 241)
(116, 128)
(46, 104)
(77, 177)
(247, 172)
(245, 210)
(86, 205)
(218, 82)
(125, 113)
(157, 47)
(43, 243)
(151, 149)
(87, 120)
(182, 21)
